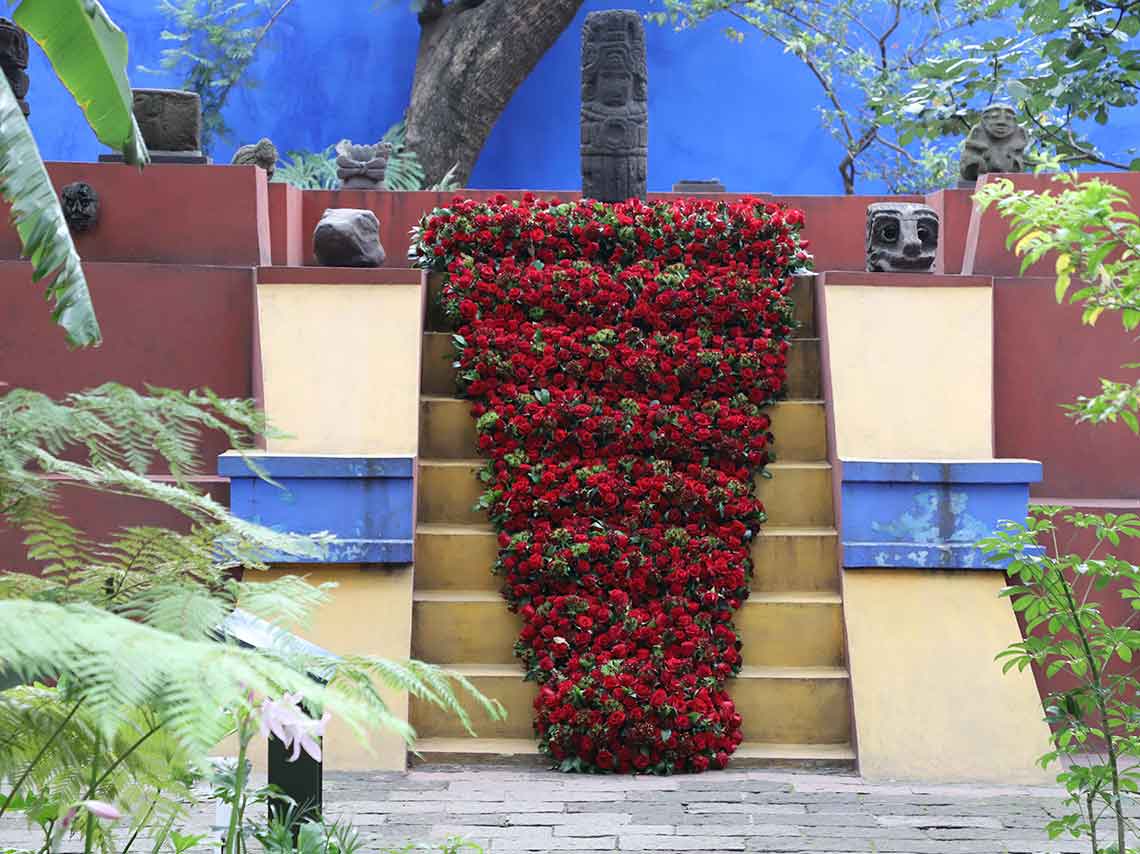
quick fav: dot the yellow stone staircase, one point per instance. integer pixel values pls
(793, 692)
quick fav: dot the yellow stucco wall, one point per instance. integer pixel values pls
(923, 356)
(366, 616)
(341, 366)
(931, 703)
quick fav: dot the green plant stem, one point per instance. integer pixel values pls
(1092, 824)
(1102, 708)
(122, 758)
(89, 825)
(39, 755)
(142, 823)
(237, 808)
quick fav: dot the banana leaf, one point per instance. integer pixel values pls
(38, 218)
(89, 53)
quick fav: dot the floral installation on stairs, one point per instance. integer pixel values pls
(619, 358)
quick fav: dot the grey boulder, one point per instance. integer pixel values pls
(348, 237)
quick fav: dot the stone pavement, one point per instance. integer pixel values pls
(512, 809)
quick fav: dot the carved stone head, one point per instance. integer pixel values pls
(901, 237)
(362, 167)
(80, 205)
(999, 120)
(169, 119)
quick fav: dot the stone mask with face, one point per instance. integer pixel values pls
(901, 238)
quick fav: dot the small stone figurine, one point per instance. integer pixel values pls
(348, 237)
(263, 154)
(996, 144)
(80, 205)
(901, 237)
(14, 61)
(615, 107)
(362, 167)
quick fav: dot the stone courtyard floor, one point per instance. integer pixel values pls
(508, 809)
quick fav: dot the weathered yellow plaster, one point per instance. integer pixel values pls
(911, 371)
(931, 703)
(369, 614)
(341, 367)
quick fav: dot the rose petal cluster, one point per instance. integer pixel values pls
(620, 359)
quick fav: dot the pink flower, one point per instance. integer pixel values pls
(102, 809)
(286, 720)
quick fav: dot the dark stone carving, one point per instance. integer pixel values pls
(80, 205)
(615, 107)
(996, 144)
(170, 120)
(711, 185)
(14, 61)
(901, 237)
(362, 167)
(347, 237)
(263, 154)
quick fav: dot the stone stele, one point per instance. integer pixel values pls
(362, 167)
(996, 144)
(901, 237)
(170, 120)
(348, 237)
(14, 61)
(615, 107)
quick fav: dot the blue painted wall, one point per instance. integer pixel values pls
(343, 68)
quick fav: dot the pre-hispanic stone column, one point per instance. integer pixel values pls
(615, 114)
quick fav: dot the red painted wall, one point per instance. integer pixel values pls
(1044, 357)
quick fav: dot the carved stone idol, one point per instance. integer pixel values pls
(170, 120)
(615, 107)
(263, 154)
(347, 237)
(14, 61)
(80, 205)
(996, 144)
(901, 237)
(362, 167)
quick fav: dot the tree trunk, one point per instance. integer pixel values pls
(473, 55)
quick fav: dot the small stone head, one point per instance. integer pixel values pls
(999, 121)
(80, 205)
(901, 237)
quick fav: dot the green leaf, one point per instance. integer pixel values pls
(89, 53)
(1129, 418)
(38, 218)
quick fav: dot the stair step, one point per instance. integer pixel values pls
(803, 292)
(437, 376)
(777, 629)
(460, 557)
(524, 751)
(797, 705)
(447, 430)
(797, 494)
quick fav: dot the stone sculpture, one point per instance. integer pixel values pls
(996, 144)
(615, 107)
(80, 205)
(710, 185)
(347, 237)
(901, 237)
(14, 61)
(362, 167)
(171, 123)
(263, 154)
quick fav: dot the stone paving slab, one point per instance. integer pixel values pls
(510, 809)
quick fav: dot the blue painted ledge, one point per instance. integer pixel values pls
(367, 503)
(929, 514)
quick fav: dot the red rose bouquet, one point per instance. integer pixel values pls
(619, 359)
